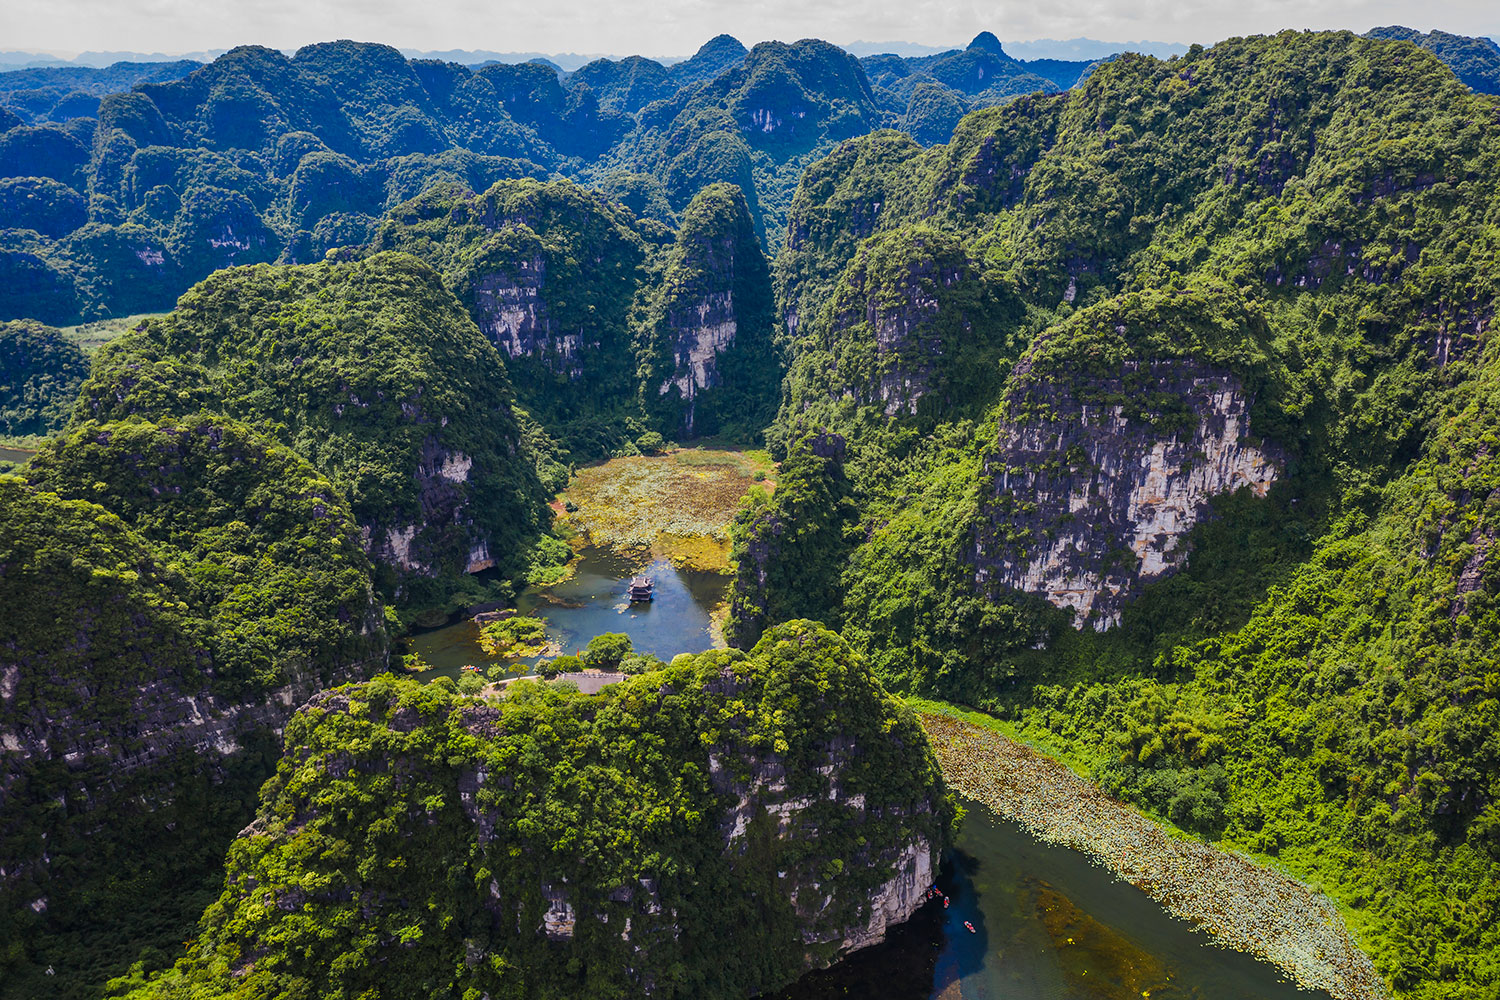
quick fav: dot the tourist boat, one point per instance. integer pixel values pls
(970, 927)
(640, 588)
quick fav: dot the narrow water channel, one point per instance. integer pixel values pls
(16, 455)
(1048, 925)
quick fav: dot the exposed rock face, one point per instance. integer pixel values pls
(550, 273)
(511, 310)
(893, 309)
(113, 672)
(913, 328)
(1087, 504)
(708, 348)
(766, 796)
(703, 331)
(446, 527)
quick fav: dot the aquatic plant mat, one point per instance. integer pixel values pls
(677, 505)
(1242, 905)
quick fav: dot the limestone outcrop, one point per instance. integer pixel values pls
(1085, 504)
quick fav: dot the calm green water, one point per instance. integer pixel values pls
(593, 602)
(1050, 926)
(15, 455)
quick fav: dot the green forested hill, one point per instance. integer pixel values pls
(172, 589)
(656, 836)
(129, 197)
(373, 372)
(1228, 415)
(119, 206)
(40, 372)
(1476, 61)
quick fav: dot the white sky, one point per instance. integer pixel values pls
(678, 27)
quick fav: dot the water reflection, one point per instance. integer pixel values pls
(591, 602)
(1049, 925)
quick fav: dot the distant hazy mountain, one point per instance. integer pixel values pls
(13, 59)
(908, 49)
(565, 61)
(1073, 49)
(1090, 48)
(37, 94)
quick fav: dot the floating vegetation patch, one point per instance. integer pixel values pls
(677, 506)
(1241, 905)
(1097, 960)
(516, 637)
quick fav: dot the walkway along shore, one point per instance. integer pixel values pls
(1242, 905)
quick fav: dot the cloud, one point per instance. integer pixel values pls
(666, 27)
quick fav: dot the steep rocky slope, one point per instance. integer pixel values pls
(550, 273)
(705, 352)
(609, 324)
(710, 830)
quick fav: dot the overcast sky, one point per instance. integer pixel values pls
(678, 27)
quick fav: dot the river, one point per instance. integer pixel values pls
(16, 455)
(1049, 924)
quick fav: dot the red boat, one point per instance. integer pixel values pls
(970, 927)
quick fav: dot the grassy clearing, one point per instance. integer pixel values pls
(94, 335)
(678, 505)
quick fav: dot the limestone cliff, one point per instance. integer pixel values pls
(549, 272)
(173, 592)
(1109, 451)
(707, 347)
(710, 830)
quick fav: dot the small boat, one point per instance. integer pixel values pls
(970, 927)
(641, 588)
(945, 902)
(471, 668)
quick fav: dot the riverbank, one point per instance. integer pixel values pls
(1242, 905)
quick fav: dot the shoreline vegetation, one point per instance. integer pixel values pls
(678, 505)
(1242, 905)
